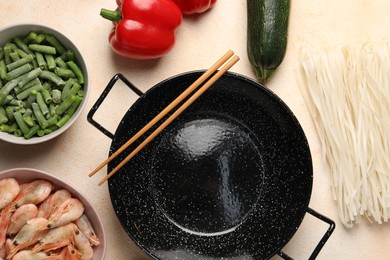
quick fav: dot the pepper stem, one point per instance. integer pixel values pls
(114, 16)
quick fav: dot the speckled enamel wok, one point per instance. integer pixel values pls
(230, 178)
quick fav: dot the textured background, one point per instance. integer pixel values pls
(200, 41)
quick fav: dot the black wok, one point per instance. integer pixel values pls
(230, 178)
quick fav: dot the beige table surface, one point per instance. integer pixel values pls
(200, 41)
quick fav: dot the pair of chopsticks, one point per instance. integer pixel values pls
(206, 75)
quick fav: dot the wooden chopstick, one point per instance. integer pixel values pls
(167, 109)
(182, 108)
(169, 120)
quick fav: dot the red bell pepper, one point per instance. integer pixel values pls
(143, 29)
(194, 6)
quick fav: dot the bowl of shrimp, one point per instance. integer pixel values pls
(43, 217)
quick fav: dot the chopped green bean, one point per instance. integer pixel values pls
(46, 95)
(22, 45)
(24, 94)
(8, 128)
(14, 56)
(8, 99)
(75, 89)
(4, 91)
(41, 61)
(42, 48)
(77, 71)
(34, 63)
(63, 121)
(64, 73)
(61, 63)
(26, 78)
(68, 86)
(65, 105)
(28, 120)
(3, 70)
(68, 55)
(27, 113)
(7, 51)
(33, 130)
(80, 93)
(18, 133)
(30, 37)
(39, 39)
(52, 109)
(31, 83)
(18, 71)
(51, 76)
(76, 102)
(17, 103)
(21, 53)
(51, 121)
(56, 95)
(39, 116)
(19, 120)
(20, 62)
(42, 132)
(42, 104)
(3, 116)
(55, 43)
(9, 111)
(51, 64)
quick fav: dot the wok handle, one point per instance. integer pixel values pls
(100, 100)
(323, 240)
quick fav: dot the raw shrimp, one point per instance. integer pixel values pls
(70, 210)
(56, 238)
(33, 193)
(20, 217)
(28, 254)
(83, 246)
(5, 219)
(47, 207)
(86, 228)
(28, 235)
(9, 189)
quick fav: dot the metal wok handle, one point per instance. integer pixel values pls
(323, 240)
(100, 100)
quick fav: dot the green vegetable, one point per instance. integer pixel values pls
(51, 64)
(33, 74)
(20, 62)
(22, 45)
(55, 43)
(12, 74)
(267, 26)
(42, 48)
(51, 76)
(73, 66)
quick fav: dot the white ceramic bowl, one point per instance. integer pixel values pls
(25, 175)
(6, 35)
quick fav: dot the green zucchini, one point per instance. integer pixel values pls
(267, 35)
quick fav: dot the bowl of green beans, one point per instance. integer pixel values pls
(43, 83)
